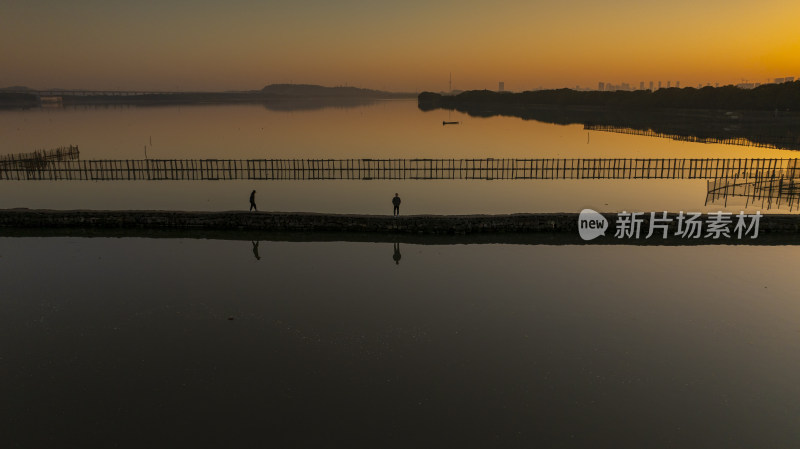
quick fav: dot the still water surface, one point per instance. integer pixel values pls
(127, 342)
(385, 129)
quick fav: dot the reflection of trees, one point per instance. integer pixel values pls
(757, 127)
(787, 141)
(9, 100)
(673, 113)
(316, 103)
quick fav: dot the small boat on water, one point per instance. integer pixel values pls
(450, 123)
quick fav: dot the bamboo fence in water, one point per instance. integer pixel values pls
(368, 169)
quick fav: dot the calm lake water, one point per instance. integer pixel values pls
(385, 129)
(129, 342)
(177, 342)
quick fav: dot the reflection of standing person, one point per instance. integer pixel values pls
(397, 255)
(396, 201)
(253, 201)
(255, 250)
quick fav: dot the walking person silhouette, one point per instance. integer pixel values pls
(396, 202)
(253, 201)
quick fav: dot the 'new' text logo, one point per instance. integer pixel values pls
(591, 224)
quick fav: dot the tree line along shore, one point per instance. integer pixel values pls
(767, 97)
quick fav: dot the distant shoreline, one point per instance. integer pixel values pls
(272, 94)
(768, 97)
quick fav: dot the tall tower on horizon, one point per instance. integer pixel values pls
(450, 86)
(501, 86)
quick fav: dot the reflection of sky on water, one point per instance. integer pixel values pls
(393, 128)
(386, 129)
(374, 197)
(540, 344)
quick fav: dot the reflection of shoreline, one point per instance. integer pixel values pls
(777, 142)
(762, 128)
(318, 103)
(253, 223)
(539, 238)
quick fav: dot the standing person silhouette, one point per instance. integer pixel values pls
(396, 202)
(253, 201)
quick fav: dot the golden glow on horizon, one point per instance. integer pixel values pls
(410, 46)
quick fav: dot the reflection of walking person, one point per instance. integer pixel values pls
(396, 255)
(255, 250)
(396, 202)
(253, 201)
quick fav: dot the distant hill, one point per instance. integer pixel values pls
(313, 90)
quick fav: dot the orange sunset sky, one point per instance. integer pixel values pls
(407, 45)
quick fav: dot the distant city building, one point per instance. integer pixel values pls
(501, 87)
(651, 86)
(608, 87)
(788, 79)
(669, 84)
(678, 84)
(641, 85)
(778, 80)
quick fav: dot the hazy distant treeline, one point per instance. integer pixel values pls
(18, 100)
(279, 94)
(783, 97)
